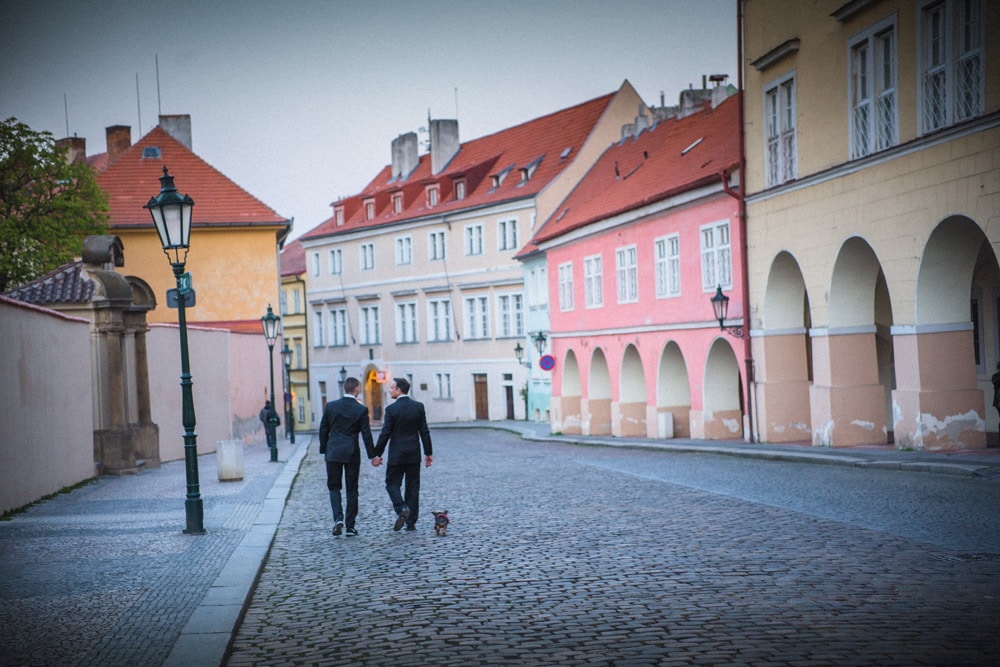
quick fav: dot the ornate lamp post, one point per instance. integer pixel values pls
(172, 217)
(286, 359)
(270, 323)
(343, 377)
(720, 306)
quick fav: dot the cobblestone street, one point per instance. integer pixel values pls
(570, 555)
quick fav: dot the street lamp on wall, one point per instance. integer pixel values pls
(720, 306)
(171, 214)
(286, 360)
(519, 353)
(539, 340)
(343, 378)
(270, 324)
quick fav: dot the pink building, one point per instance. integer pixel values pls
(634, 256)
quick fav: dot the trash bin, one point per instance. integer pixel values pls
(229, 459)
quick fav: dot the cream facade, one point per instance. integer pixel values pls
(872, 133)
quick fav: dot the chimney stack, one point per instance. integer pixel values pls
(178, 126)
(444, 143)
(404, 155)
(119, 138)
(76, 149)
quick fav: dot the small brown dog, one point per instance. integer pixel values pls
(440, 523)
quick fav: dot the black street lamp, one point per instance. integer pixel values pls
(519, 353)
(270, 323)
(172, 216)
(539, 340)
(286, 358)
(343, 377)
(720, 306)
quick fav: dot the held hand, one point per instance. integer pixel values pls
(377, 461)
(427, 461)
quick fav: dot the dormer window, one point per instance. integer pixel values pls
(338, 215)
(432, 196)
(459, 189)
(528, 172)
(369, 209)
(565, 153)
(152, 152)
(499, 178)
(397, 202)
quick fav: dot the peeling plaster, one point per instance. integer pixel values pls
(777, 428)
(868, 426)
(823, 436)
(732, 424)
(952, 427)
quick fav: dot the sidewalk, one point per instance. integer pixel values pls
(105, 575)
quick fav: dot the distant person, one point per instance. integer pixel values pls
(996, 388)
(343, 421)
(269, 418)
(404, 428)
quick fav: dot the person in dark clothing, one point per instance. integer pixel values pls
(404, 428)
(343, 421)
(269, 418)
(996, 388)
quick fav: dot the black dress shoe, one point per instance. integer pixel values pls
(410, 526)
(351, 532)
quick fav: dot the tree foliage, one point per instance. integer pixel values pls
(47, 206)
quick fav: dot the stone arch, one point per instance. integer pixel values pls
(631, 418)
(567, 416)
(598, 413)
(673, 394)
(143, 296)
(946, 271)
(722, 415)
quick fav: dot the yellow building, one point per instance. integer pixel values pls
(296, 337)
(872, 135)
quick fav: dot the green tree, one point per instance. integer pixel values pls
(47, 206)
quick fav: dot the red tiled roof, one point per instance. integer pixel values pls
(545, 139)
(651, 167)
(132, 179)
(66, 284)
(293, 259)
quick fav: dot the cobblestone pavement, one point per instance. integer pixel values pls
(104, 575)
(568, 555)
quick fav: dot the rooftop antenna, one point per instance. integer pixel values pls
(66, 111)
(138, 104)
(159, 109)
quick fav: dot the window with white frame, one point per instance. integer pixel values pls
(338, 215)
(283, 302)
(369, 209)
(477, 317)
(459, 189)
(507, 234)
(542, 286)
(406, 322)
(336, 262)
(432, 196)
(302, 408)
(370, 328)
(952, 66)
(318, 322)
(874, 117)
(668, 266)
(627, 269)
(438, 320)
(404, 250)
(397, 202)
(566, 286)
(298, 353)
(716, 258)
(315, 263)
(297, 301)
(779, 123)
(511, 307)
(593, 276)
(474, 240)
(435, 245)
(442, 385)
(338, 327)
(367, 256)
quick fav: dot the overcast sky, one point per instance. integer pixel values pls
(297, 101)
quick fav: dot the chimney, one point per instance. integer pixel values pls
(76, 149)
(444, 143)
(404, 155)
(178, 126)
(119, 138)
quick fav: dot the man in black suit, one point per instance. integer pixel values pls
(404, 428)
(343, 420)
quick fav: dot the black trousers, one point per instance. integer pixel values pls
(406, 475)
(349, 472)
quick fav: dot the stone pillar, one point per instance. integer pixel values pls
(782, 388)
(847, 403)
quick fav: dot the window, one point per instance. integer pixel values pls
(668, 266)
(874, 117)
(779, 121)
(302, 409)
(336, 262)
(593, 294)
(297, 300)
(566, 286)
(367, 256)
(508, 234)
(369, 209)
(716, 267)
(338, 214)
(474, 240)
(406, 322)
(511, 315)
(439, 319)
(397, 202)
(283, 302)
(459, 189)
(318, 320)
(432, 196)
(538, 287)
(338, 327)
(477, 317)
(315, 263)
(298, 353)
(442, 385)
(435, 245)
(628, 274)
(952, 71)
(370, 330)
(404, 250)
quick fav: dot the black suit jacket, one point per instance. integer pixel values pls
(403, 429)
(343, 420)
